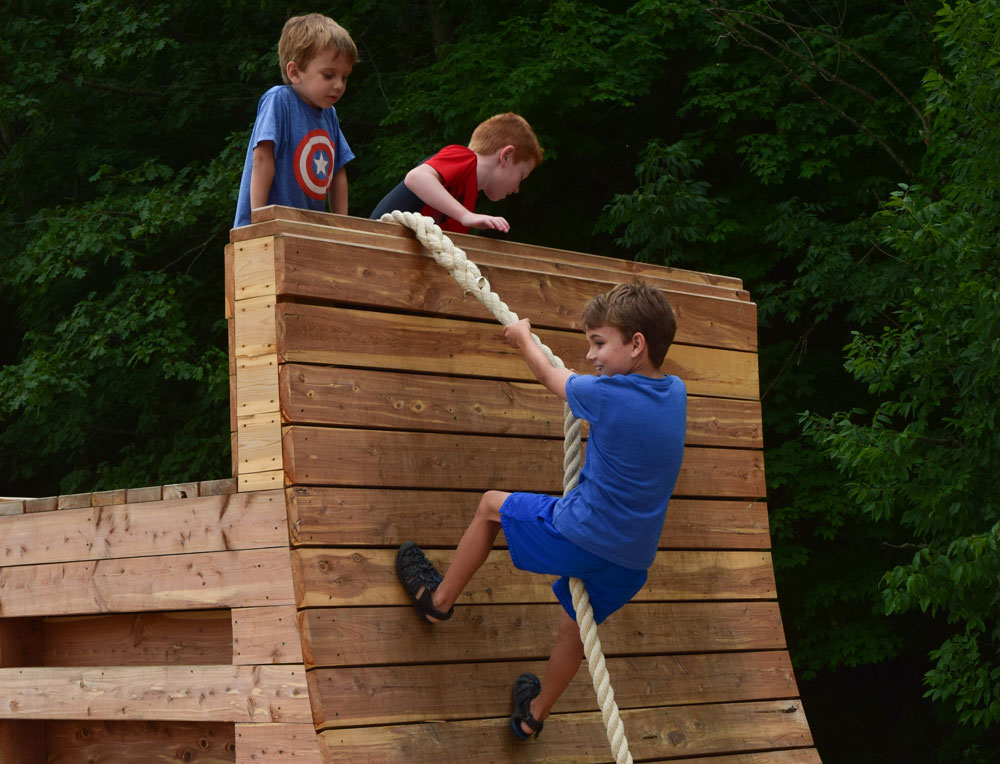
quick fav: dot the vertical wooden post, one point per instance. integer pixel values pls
(22, 741)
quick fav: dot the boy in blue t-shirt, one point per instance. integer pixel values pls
(604, 531)
(297, 152)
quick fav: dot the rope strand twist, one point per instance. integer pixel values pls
(472, 281)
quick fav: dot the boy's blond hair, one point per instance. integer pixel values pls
(507, 129)
(632, 308)
(305, 36)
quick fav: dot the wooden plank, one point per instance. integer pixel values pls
(161, 693)
(11, 507)
(329, 225)
(261, 481)
(144, 494)
(277, 743)
(652, 733)
(346, 577)
(253, 268)
(325, 516)
(256, 385)
(393, 635)
(201, 637)
(255, 327)
(220, 487)
(127, 742)
(259, 442)
(372, 276)
(326, 456)
(370, 398)
(366, 695)
(263, 635)
(242, 578)
(205, 524)
(321, 334)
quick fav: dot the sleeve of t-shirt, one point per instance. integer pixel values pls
(265, 127)
(452, 161)
(341, 151)
(585, 396)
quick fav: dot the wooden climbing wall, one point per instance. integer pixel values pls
(384, 402)
(151, 625)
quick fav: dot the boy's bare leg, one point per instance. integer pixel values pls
(560, 670)
(473, 548)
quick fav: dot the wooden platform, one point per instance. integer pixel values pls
(258, 619)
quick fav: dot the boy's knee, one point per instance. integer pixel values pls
(489, 506)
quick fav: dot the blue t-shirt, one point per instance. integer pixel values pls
(634, 453)
(308, 150)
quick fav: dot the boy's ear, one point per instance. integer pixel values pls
(638, 344)
(506, 154)
(292, 70)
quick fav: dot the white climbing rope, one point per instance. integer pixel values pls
(468, 276)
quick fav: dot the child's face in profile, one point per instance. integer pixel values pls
(507, 177)
(323, 80)
(609, 352)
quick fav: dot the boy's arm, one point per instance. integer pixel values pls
(425, 182)
(337, 193)
(518, 335)
(262, 174)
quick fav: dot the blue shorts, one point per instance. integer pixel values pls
(537, 547)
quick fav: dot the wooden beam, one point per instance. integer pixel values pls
(367, 695)
(139, 742)
(395, 459)
(193, 581)
(352, 636)
(372, 276)
(652, 733)
(198, 637)
(277, 744)
(263, 635)
(344, 577)
(160, 693)
(345, 337)
(177, 526)
(327, 516)
(379, 399)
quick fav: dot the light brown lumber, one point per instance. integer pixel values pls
(162, 693)
(327, 516)
(399, 694)
(200, 637)
(205, 524)
(345, 577)
(323, 223)
(387, 400)
(373, 277)
(392, 635)
(656, 732)
(346, 337)
(787, 756)
(217, 579)
(277, 744)
(264, 635)
(145, 742)
(327, 456)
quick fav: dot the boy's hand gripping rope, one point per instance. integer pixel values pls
(468, 276)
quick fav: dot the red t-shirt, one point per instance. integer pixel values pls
(457, 166)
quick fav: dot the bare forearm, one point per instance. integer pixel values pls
(337, 194)
(262, 174)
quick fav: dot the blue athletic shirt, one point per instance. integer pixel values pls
(633, 456)
(309, 148)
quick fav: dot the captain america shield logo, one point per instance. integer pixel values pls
(314, 163)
